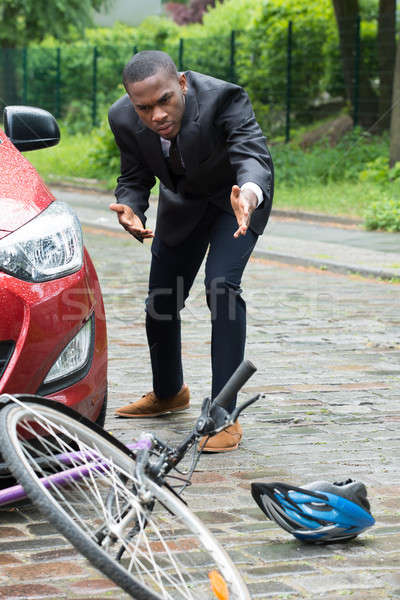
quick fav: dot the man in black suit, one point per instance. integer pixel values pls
(199, 136)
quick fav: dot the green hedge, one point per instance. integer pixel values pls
(384, 213)
(260, 59)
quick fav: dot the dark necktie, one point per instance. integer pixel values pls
(174, 160)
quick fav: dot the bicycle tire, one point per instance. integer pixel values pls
(168, 552)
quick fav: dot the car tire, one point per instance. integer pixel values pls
(102, 414)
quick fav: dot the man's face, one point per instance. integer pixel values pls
(159, 102)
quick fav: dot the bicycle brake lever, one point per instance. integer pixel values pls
(240, 408)
(218, 419)
(212, 419)
(202, 421)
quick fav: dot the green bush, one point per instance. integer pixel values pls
(385, 212)
(41, 77)
(103, 156)
(262, 57)
(378, 171)
(239, 15)
(324, 164)
(207, 47)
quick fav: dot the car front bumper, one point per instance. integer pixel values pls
(37, 322)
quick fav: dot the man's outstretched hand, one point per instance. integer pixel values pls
(131, 222)
(244, 204)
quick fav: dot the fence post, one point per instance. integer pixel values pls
(180, 55)
(94, 88)
(356, 98)
(25, 75)
(134, 50)
(233, 57)
(288, 80)
(58, 84)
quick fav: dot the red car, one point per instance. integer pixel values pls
(53, 338)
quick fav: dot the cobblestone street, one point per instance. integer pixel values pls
(327, 349)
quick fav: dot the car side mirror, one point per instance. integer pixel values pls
(30, 128)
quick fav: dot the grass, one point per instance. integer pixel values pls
(345, 198)
(69, 160)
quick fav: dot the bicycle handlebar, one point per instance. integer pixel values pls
(244, 371)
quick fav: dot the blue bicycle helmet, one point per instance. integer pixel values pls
(321, 512)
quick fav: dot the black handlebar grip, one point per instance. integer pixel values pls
(244, 371)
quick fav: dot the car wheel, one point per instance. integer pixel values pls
(102, 414)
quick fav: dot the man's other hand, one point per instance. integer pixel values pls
(244, 204)
(131, 222)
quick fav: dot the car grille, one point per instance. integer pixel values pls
(6, 350)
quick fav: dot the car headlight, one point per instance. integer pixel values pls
(74, 356)
(48, 247)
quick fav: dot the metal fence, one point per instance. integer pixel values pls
(78, 82)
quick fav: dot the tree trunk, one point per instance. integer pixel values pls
(386, 59)
(395, 120)
(346, 12)
(8, 57)
(8, 77)
(358, 87)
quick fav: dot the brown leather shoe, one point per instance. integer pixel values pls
(225, 441)
(151, 406)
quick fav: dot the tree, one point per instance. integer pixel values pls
(395, 120)
(191, 13)
(374, 110)
(386, 59)
(26, 21)
(347, 17)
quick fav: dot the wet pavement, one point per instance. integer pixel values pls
(327, 349)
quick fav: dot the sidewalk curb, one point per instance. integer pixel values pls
(323, 265)
(317, 217)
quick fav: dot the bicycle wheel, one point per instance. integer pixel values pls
(165, 551)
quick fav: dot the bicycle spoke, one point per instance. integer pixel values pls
(160, 543)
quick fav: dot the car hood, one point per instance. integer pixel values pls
(23, 194)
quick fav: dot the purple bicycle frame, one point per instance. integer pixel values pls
(17, 492)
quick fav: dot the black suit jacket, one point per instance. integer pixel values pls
(221, 145)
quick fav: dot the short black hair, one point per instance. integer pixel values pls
(147, 63)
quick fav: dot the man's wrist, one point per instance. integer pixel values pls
(253, 187)
(251, 198)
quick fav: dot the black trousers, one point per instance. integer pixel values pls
(173, 270)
